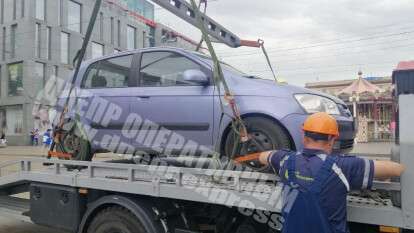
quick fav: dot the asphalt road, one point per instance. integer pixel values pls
(13, 225)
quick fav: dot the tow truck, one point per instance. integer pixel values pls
(110, 197)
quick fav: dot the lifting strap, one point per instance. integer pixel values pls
(219, 78)
(60, 155)
(261, 43)
(247, 158)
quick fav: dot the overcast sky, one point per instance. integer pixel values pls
(311, 40)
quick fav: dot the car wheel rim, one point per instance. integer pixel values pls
(259, 142)
(71, 144)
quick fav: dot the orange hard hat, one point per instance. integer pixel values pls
(322, 123)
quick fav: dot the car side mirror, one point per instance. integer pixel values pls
(195, 77)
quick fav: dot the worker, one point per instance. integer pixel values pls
(316, 181)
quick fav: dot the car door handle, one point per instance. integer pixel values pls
(143, 97)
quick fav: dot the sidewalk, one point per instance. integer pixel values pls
(380, 149)
(23, 151)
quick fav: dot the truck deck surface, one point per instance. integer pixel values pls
(253, 190)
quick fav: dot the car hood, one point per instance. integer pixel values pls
(265, 87)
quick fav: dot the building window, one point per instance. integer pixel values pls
(38, 40)
(64, 47)
(15, 72)
(54, 74)
(13, 41)
(40, 73)
(101, 25)
(2, 11)
(49, 43)
(40, 9)
(3, 45)
(14, 9)
(22, 5)
(74, 16)
(119, 33)
(112, 30)
(60, 7)
(97, 50)
(131, 37)
(109, 73)
(13, 121)
(144, 38)
(55, 71)
(152, 36)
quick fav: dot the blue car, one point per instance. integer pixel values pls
(164, 101)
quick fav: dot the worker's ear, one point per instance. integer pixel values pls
(332, 140)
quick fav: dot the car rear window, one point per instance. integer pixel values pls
(109, 73)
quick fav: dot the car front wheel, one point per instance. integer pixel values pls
(265, 135)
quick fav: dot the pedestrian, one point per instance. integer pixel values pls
(3, 141)
(316, 181)
(36, 135)
(47, 138)
(32, 133)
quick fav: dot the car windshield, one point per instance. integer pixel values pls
(226, 66)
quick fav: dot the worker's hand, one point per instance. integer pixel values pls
(387, 169)
(264, 157)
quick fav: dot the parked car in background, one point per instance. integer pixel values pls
(174, 88)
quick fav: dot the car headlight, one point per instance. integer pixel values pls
(315, 103)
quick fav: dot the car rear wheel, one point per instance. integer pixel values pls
(265, 135)
(78, 147)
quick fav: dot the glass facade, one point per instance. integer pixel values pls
(15, 73)
(74, 16)
(148, 10)
(142, 7)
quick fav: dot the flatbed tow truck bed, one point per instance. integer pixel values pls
(250, 190)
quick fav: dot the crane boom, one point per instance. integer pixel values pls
(185, 11)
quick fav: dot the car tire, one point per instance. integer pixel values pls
(269, 134)
(115, 220)
(71, 142)
(80, 148)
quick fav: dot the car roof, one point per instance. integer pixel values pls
(123, 53)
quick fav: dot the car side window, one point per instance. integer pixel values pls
(166, 69)
(109, 73)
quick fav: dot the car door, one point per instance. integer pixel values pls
(164, 100)
(106, 96)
